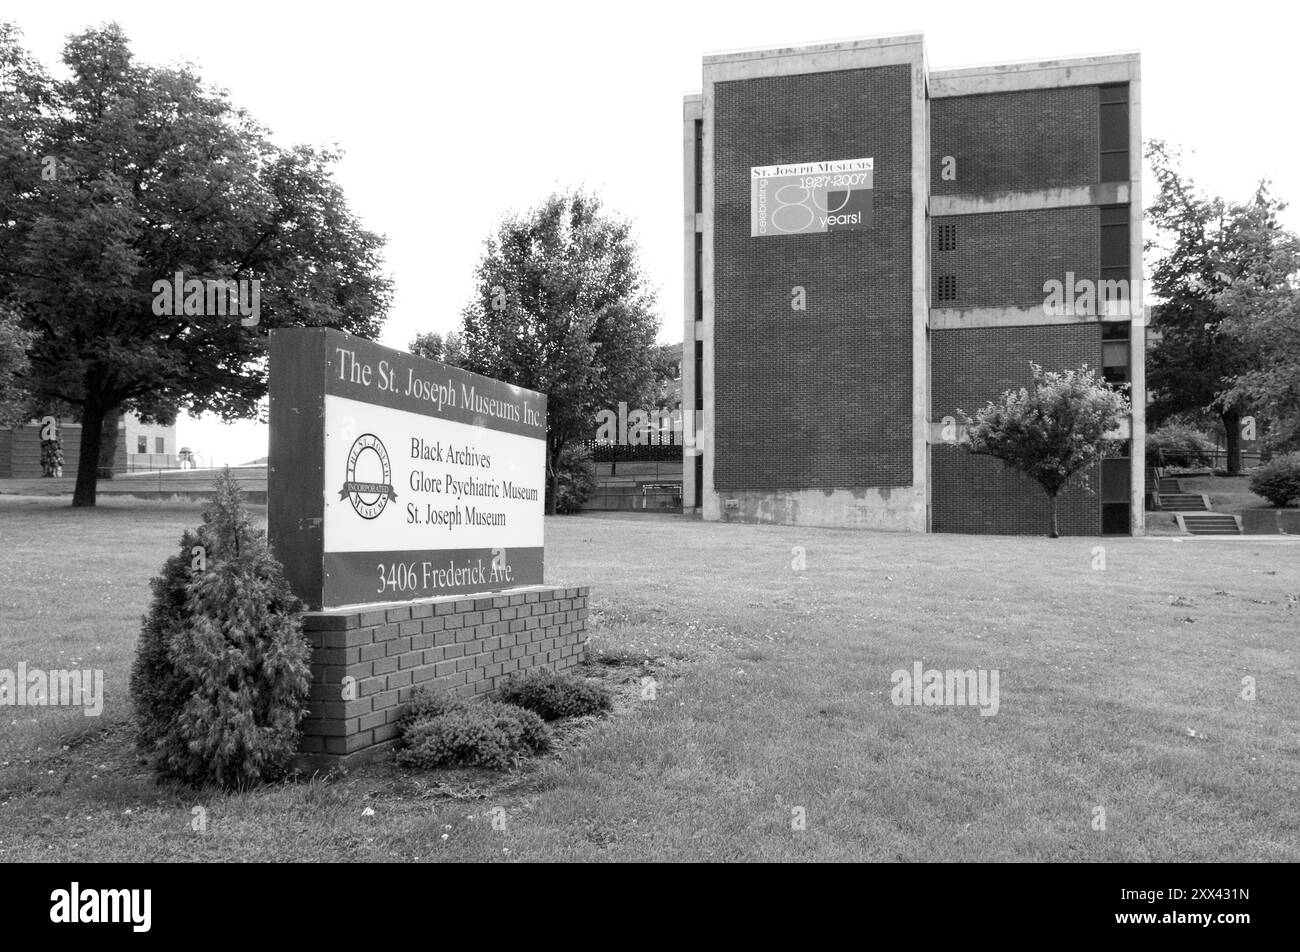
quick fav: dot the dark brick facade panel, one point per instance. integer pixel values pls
(20, 451)
(970, 367)
(978, 495)
(787, 417)
(1005, 258)
(1016, 141)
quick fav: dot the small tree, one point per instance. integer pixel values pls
(561, 306)
(221, 672)
(1052, 432)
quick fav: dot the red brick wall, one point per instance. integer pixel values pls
(1016, 141)
(20, 451)
(25, 450)
(981, 496)
(970, 367)
(821, 398)
(1005, 258)
(464, 646)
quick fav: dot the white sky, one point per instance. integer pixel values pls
(451, 116)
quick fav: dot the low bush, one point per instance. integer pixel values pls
(552, 696)
(423, 705)
(453, 732)
(1278, 480)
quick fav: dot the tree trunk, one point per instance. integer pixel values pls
(92, 432)
(553, 467)
(1232, 431)
(1056, 529)
(108, 443)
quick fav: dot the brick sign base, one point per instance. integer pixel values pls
(460, 645)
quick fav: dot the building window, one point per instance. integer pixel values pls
(1113, 134)
(947, 236)
(159, 446)
(1115, 353)
(142, 445)
(1116, 473)
(699, 276)
(1114, 518)
(946, 288)
(699, 376)
(1114, 255)
(699, 166)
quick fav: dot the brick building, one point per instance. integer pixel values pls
(869, 247)
(138, 446)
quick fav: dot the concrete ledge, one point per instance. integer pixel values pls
(937, 437)
(1270, 521)
(1106, 193)
(816, 58)
(890, 509)
(1046, 74)
(955, 318)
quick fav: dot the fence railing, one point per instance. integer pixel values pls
(614, 453)
(1218, 460)
(148, 462)
(653, 497)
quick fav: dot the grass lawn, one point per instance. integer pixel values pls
(774, 694)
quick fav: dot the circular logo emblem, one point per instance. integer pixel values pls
(368, 457)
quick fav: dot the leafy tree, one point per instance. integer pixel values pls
(1053, 432)
(221, 672)
(14, 341)
(1196, 364)
(432, 346)
(562, 307)
(666, 361)
(1261, 307)
(1176, 445)
(122, 175)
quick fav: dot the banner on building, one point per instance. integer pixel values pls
(811, 197)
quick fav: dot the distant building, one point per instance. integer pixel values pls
(869, 245)
(149, 445)
(139, 447)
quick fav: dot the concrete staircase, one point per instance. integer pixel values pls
(1183, 502)
(1191, 510)
(1209, 524)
